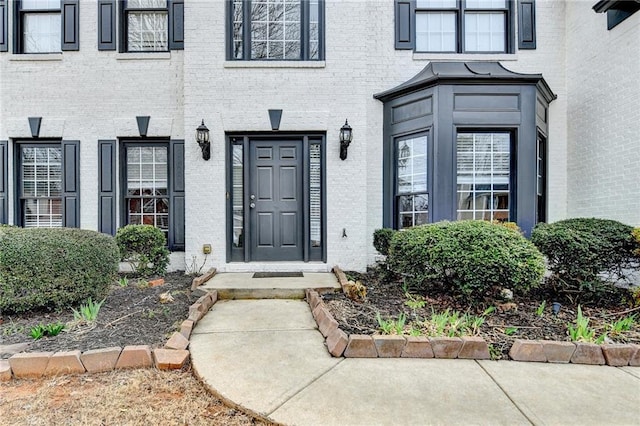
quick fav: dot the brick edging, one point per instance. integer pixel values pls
(391, 346)
(172, 356)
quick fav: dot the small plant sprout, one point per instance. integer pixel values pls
(509, 331)
(581, 332)
(37, 332)
(54, 329)
(88, 311)
(622, 325)
(540, 308)
(391, 326)
(123, 282)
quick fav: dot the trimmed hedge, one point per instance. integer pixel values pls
(144, 247)
(585, 255)
(466, 258)
(54, 268)
(382, 240)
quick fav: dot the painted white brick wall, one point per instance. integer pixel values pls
(603, 115)
(90, 95)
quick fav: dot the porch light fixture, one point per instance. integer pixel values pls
(346, 136)
(202, 137)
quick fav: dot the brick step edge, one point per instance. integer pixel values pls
(340, 344)
(173, 356)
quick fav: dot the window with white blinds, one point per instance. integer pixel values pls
(483, 175)
(41, 186)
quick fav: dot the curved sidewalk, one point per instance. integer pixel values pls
(268, 357)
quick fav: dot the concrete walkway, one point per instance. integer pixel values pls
(268, 357)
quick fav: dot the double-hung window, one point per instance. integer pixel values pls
(147, 25)
(46, 26)
(462, 25)
(275, 30)
(411, 194)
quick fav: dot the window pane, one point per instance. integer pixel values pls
(237, 29)
(237, 192)
(147, 31)
(436, 4)
(275, 29)
(486, 4)
(483, 182)
(411, 166)
(315, 200)
(484, 32)
(42, 32)
(40, 4)
(413, 210)
(436, 32)
(146, 4)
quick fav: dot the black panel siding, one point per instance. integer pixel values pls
(526, 24)
(107, 186)
(405, 24)
(4, 26)
(4, 201)
(176, 194)
(176, 25)
(71, 183)
(70, 24)
(107, 25)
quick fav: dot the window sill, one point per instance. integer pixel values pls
(137, 56)
(274, 64)
(465, 56)
(36, 57)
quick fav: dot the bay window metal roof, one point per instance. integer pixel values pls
(466, 73)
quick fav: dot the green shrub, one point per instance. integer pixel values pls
(636, 237)
(144, 248)
(54, 268)
(466, 258)
(382, 240)
(585, 255)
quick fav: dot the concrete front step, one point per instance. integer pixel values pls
(242, 285)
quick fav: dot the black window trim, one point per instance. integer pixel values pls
(304, 33)
(460, 11)
(396, 138)
(69, 11)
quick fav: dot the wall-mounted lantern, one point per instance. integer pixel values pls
(346, 136)
(202, 137)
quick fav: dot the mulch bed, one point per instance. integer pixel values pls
(515, 319)
(131, 315)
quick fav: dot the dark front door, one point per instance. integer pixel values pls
(276, 200)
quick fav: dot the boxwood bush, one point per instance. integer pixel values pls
(144, 247)
(466, 258)
(585, 255)
(54, 268)
(382, 240)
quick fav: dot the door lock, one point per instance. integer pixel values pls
(252, 197)
(252, 205)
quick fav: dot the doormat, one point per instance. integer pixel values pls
(278, 275)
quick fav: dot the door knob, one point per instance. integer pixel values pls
(253, 197)
(252, 205)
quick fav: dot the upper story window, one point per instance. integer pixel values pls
(147, 25)
(276, 30)
(464, 26)
(141, 25)
(42, 26)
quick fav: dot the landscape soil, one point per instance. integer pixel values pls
(513, 319)
(130, 315)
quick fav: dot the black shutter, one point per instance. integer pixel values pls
(107, 186)
(176, 25)
(71, 183)
(4, 202)
(106, 24)
(4, 44)
(176, 194)
(405, 11)
(526, 24)
(70, 24)
(122, 25)
(17, 27)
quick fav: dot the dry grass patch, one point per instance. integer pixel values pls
(134, 397)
